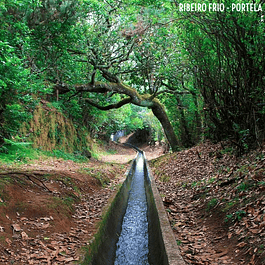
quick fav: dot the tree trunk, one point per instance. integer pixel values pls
(159, 112)
(185, 135)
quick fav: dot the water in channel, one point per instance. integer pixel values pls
(132, 247)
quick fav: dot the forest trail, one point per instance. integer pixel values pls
(49, 209)
(214, 201)
(125, 153)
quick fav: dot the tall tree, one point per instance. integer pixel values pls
(121, 56)
(89, 51)
(227, 52)
(93, 50)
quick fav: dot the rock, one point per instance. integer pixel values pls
(24, 235)
(45, 219)
(8, 241)
(16, 227)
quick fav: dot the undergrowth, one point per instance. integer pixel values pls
(17, 152)
(23, 152)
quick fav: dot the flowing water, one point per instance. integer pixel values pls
(132, 247)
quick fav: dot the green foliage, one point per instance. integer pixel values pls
(244, 186)
(164, 178)
(229, 79)
(13, 115)
(237, 216)
(229, 205)
(17, 152)
(128, 118)
(18, 79)
(179, 242)
(211, 204)
(262, 183)
(210, 62)
(22, 152)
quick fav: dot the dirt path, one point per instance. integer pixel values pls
(124, 154)
(49, 209)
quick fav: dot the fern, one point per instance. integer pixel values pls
(17, 144)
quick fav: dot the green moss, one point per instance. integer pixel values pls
(164, 178)
(49, 129)
(211, 204)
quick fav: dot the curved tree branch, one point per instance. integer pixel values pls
(132, 97)
(111, 106)
(173, 90)
(109, 76)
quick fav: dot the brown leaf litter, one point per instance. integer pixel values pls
(215, 203)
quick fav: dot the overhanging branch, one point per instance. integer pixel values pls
(103, 88)
(76, 52)
(111, 106)
(172, 90)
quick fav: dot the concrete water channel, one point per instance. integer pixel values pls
(132, 247)
(135, 230)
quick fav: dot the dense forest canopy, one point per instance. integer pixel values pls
(200, 73)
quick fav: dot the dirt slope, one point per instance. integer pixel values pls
(49, 210)
(215, 203)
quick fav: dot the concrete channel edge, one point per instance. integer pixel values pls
(163, 250)
(171, 247)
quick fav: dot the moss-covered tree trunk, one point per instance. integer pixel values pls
(159, 111)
